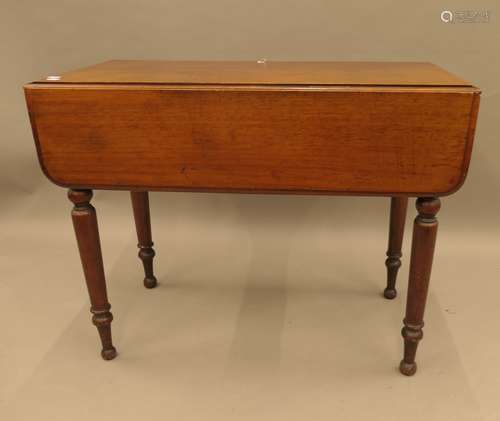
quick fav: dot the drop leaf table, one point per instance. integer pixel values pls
(393, 129)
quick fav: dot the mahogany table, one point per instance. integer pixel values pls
(339, 128)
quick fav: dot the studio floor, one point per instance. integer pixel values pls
(267, 308)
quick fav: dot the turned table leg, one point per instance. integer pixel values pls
(422, 252)
(140, 205)
(87, 235)
(396, 231)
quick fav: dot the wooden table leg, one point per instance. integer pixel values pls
(140, 205)
(424, 238)
(396, 232)
(87, 235)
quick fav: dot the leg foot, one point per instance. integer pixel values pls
(150, 282)
(390, 293)
(146, 254)
(102, 320)
(408, 369)
(108, 354)
(87, 235)
(140, 205)
(396, 231)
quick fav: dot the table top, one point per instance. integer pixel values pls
(261, 72)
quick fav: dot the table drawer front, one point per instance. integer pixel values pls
(267, 140)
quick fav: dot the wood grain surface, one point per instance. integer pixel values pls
(333, 140)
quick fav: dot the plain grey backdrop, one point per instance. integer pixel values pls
(269, 306)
